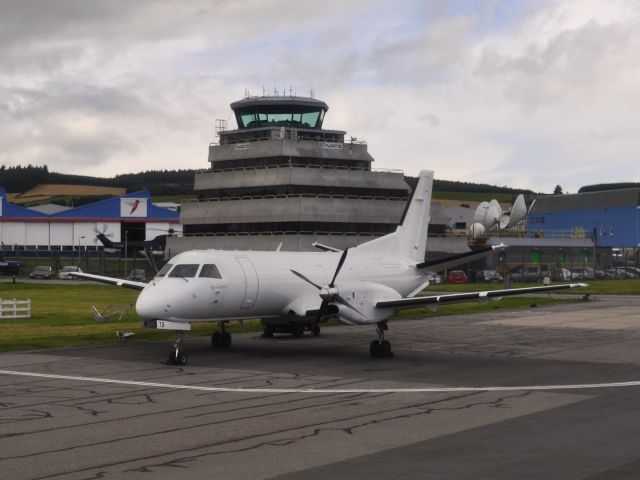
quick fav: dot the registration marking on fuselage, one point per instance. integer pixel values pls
(200, 388)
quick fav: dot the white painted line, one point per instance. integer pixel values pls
(326, 390)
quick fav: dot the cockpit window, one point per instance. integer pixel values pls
(164, 270)
(187, 270)
(210, 271)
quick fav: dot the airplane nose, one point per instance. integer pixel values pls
(148, 307)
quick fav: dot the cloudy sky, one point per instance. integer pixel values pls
(520, 93)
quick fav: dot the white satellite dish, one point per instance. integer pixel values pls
(476, 230)
(480, 215)
(518, 211)
(495, 204)
(504, 221)
(493, 217)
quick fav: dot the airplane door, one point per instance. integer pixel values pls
(250, 282)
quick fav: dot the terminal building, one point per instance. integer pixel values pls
(281, 180)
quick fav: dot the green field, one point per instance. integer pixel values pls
(61, 314)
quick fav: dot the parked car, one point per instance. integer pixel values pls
(528, 274)
(488, 276)
(10, 267)
(457, 276)
(64, 273)
(434, 278)
(137, 275)
(42, 271)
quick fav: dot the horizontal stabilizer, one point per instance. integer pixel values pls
(455, 260)
(110, 280)
(470, 296)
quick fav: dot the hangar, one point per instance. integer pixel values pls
(131, 217)
(611, 218)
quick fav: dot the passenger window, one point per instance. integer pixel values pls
(164, 270)
(184, 271)
(210, 271)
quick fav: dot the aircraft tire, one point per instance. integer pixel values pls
(315, 330)
(215, 339)
(225, 340)
(177, 358)
(268, 332)
(374, 348)
(297, 330)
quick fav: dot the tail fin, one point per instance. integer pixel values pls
(410, 238)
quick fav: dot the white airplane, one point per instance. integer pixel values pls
(364, 285)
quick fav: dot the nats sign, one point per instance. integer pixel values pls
(133, 207)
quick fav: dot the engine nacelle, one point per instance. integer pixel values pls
(363, 296)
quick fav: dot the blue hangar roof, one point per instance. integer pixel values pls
(133, 207)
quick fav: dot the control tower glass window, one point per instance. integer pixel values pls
(275, 117)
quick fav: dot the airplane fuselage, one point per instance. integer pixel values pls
(262, 285)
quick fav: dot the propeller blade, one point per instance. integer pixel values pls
(341, 300)
(323, 307)
(298, 274)
(343, 257)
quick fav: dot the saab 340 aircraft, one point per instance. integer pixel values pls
(291, 291)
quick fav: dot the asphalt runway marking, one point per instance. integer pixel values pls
(585, 386)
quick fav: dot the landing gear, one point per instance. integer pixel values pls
(221, 339)
(268, 331)
(381, 348)
(177, 355)
(297, 330)
(315, 330)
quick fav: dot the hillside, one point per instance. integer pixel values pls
(171, 183)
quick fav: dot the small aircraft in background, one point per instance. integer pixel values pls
(363, 285)
(156, 245)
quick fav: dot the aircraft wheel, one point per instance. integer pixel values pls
(385, 349)
(315, 330)
(297, 330)
(177, 358)
(380, 349)
(225, 340)
(215, 339)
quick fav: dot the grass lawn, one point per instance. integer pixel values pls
(61, 315)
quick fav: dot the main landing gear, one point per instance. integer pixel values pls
(381, 348)
(177, 355)
(221, 339)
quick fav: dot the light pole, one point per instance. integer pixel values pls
(79, 258)
(126, 234)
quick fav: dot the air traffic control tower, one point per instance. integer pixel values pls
(282, 178)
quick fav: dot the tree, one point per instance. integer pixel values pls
(558, 190)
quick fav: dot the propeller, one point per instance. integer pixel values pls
(329, 293)
(102, 231)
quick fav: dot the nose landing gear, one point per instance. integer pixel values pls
(381, 348)
(177, 355)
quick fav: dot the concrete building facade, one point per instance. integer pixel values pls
(280, 178)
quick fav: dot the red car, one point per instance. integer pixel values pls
(457, 276)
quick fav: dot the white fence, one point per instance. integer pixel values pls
(12, 308)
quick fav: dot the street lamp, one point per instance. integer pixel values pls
(79, 259)
(126, 234)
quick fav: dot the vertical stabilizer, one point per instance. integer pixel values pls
(410, 238)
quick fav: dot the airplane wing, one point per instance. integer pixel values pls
(455, 260)
(110, 280)
(470, 296)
